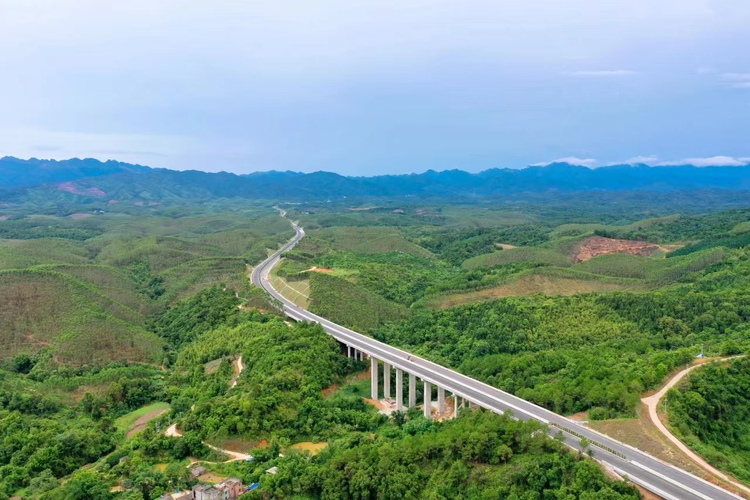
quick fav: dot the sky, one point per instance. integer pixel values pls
(375, 87)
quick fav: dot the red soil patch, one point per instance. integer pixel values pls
(579, 417)
(330, 390)
(377, 404)
(72, 188)
(321, 270)
(598, 245)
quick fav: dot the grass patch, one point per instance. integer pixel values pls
(545, 281)
(141, 416)
(549, 256)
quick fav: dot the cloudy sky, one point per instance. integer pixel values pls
(366, 87)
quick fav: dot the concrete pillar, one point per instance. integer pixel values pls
(412, 390)
(399, 389)
(348, 351)
(386, 380)
(427, 400)
(441, 401)
(455, 406)
(374, 378)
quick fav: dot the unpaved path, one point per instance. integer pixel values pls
(652, 403)
(173, 432)
(238, 367)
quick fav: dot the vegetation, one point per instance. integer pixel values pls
(117, 316)
(711, 413)
(340, 301)
(596, 351)
(477, 456)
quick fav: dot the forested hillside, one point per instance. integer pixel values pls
(81, 292)
(711, 413)
(124, 322)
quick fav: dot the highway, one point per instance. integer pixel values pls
(651, 473)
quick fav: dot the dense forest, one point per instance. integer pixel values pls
(711, 413)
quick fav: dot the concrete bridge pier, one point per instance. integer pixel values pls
(427, 399)
(441, 400)
(399, 389)
(374, 378)
(386, 381)
(412, 390)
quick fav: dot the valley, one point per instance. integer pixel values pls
(122, 325)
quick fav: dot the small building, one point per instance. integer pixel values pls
(197, 471)
(231, 488)
(206, 492)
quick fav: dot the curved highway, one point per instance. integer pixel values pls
(651, 473)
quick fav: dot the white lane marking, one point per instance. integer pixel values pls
(650, 487)
(675, 483)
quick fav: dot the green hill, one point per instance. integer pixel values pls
(66, 321)
(339, 300)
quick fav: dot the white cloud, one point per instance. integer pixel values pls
(713, 161)
(649, 160)
(737, 80)
(604, 73)
(584, 162)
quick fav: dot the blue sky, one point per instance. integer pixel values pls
(371, 87)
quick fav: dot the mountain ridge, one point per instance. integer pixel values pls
(88, 178)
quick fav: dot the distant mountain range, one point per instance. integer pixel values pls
(79, 180)
(24, 173)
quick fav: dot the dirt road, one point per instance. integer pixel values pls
(238, 367)
(173, 432)
(652, 403)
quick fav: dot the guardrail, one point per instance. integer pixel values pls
(598, 445)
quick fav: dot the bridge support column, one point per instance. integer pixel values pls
(386, 380)
(374, 378)
(399, 389)
(412, 390)
(455, 406)
(348, 351)
(441, 400)
(427, 400)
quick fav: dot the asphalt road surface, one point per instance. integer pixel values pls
(651, 473)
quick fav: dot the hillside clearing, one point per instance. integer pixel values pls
(599, 245)
(529, 284)
(135, 421)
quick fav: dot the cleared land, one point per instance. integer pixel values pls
(536, 282)
(135, 421)
(598, 245)
(297, 290)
